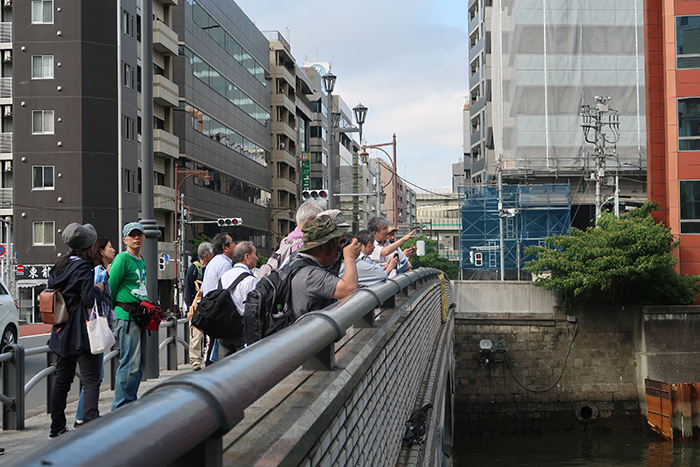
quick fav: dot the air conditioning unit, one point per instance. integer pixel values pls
(7, 56)
(7, 3)
(7, 110)
(8, 166)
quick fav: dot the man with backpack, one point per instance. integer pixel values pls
(293, 242)
(222, 245)
(245, 258)
(193, 283)
(314, 287)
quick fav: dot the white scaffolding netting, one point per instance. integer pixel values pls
(549, 57)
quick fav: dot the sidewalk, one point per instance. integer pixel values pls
(36, 432)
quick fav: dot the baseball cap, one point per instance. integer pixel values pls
(130, 227)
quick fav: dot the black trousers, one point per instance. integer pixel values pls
(229, 345)
(65, 372)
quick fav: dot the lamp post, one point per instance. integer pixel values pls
(394, 176)
(180, 233)
(329, 84)
(360, 117)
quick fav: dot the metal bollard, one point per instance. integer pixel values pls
(171, 334)
(13, 387)
(51, 360)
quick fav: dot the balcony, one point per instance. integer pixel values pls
(166, 144)
(164, 198)
(164, 39)
(164, 91)
(6, 35)
(284, 184)
(5, 201)
(6, 143)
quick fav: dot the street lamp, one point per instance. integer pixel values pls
(329, 84)
(180, 255)
(394, 177)
(360, 117)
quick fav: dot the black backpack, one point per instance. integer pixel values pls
(266, 307)
(216, 314)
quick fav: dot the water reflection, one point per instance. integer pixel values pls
(576, 449)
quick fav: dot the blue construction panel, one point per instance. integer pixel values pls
(533, 214)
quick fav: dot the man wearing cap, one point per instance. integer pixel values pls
(383, 251)
(313, 287)
(127, 280)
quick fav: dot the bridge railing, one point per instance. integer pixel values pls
(210, 403)
(13, 363)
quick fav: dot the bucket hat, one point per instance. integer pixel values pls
(79, 237)
(318, 231)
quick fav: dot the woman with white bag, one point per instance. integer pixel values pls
(103, 254)
(73, 277)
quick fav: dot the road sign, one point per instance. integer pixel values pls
(2, 250)
(166, 257)
(20, 268)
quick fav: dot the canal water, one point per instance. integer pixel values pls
(589, 449)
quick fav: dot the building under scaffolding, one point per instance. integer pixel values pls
(530, 215)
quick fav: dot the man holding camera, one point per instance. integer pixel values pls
(313, 287)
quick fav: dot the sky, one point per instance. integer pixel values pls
(405, 60)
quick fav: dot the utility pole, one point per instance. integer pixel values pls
(593, 126)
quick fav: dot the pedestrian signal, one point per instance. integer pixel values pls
(478, 258)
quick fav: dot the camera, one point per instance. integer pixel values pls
(345, 242)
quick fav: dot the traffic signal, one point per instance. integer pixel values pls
(478, 258)
(229, 221)
(316, 195)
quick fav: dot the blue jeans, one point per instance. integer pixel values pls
(79, 411)
(132, 361)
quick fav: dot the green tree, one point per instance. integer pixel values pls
(625, 261)
(195, 242)
(432, 259)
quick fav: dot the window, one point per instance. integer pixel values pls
(690, 206)
(42, 122)
(318, 132)
(42, 11)
(129, 128)
(318, 158)
(43, 233)
(689, 124)
(42, 66)
(42, 177)
(129, 181)
(128, 23)
(688, 42)
(128, 76)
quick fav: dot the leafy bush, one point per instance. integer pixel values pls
(432, 259)
(626, 261)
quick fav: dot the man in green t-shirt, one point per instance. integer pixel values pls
(127, 280)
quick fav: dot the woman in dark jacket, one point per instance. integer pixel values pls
(73, 276)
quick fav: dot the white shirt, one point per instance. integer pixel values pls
(240, 293)
(213, 272)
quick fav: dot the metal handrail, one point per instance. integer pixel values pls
(213, 400)
(11, 401)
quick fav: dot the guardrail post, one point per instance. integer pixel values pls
(323, 360)
(51, 360)
(367, 321)
(186, 328)
(13, 387)
(171, 333)
(113, 365)
(208, 453)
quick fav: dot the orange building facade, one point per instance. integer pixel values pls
(672, 64)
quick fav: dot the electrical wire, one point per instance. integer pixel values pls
(571, 344)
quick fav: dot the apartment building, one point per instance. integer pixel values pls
(532, 67)
(673, 112)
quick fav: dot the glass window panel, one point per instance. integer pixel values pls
(48, 121)
(688, 41)
(48, 176)
(47, 61)
(38, 233)
(48, 11)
